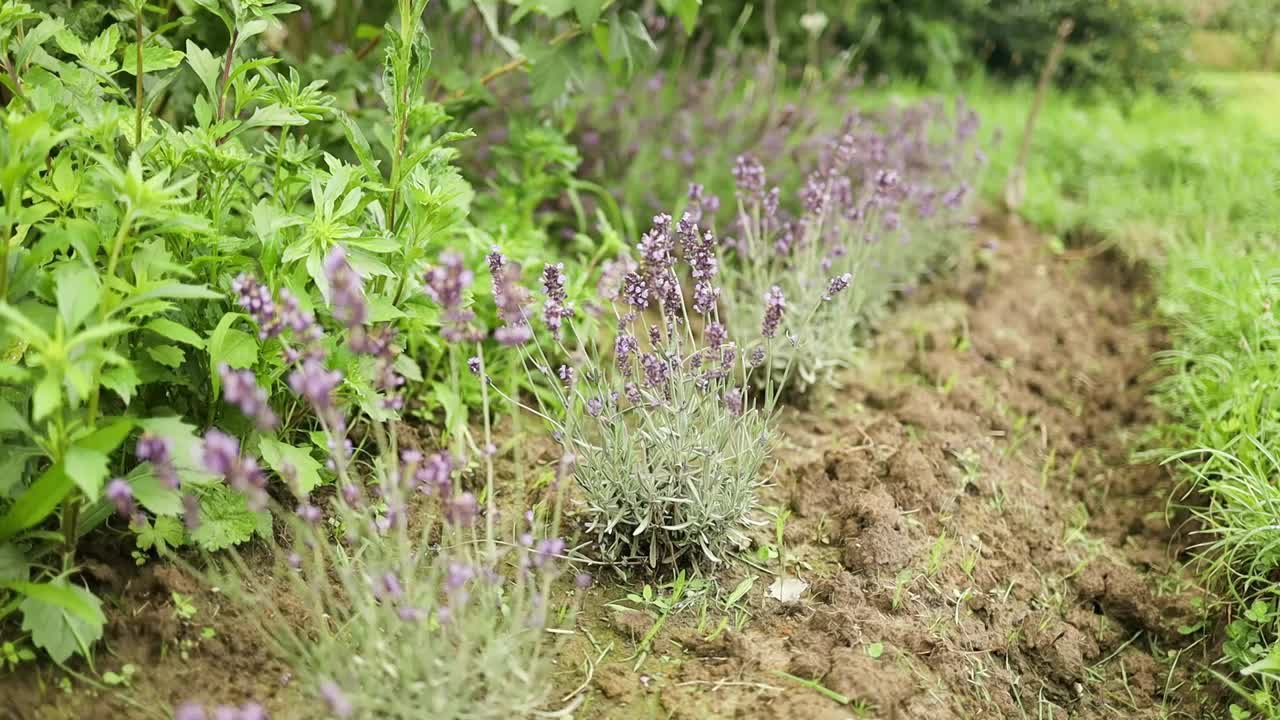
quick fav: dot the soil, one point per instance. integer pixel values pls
(975, 539)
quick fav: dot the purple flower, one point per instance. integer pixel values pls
(121, 495)
(511, 299)
(191, 512)
(775, 304)
(473, 364)
(624, 346)
(189, 711)
(594, 407)
(837, 285)
(715, 335)
(567, 374)
(221, 456)
(346, 290)
(462, 510)
(555, 310)
(253, 711)
(388, 587)
(157, 451)
(748, 173)
(309, 513)
(733, 402)
(582, 581)
(446, 284)
(337, 700)
(705, 296)
(316, 383)
(632, 392)
(458, 576)
(635, 291)
(611, 277)
(435, 473)
(656, 370)
(240, 388)
(547, 550)
(757, 357)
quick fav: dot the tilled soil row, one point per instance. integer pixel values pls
(977, 542)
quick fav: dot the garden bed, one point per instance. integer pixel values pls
(975, 540)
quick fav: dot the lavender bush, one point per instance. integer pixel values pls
(414, 604)
(889, 196)
(665, 445)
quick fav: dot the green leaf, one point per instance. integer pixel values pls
(271, 116)
(206, 67)
(121, 380)
(875, 650)
(37, 503)
(154, 58)
(88, 468)
(550, 75)
(186, 447)
(165, 534)
(47, 397)
(173, 331)
(13, 564)
(406, 366)
(11, 419)
(76, 289)
(153, 494)
(167, 355)
(109, 436)
(225, 519)
(63, 619)
(230, 347)
(291, 462)
(588, 11)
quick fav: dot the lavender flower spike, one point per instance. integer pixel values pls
(775, 304)
(346, 290)
(837, 286)
(240, 388)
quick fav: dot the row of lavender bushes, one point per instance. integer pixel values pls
(423, 595)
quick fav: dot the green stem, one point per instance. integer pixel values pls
(4, 261)
(224, 80)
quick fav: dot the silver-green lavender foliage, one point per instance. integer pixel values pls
(889, 197)
(667, 446)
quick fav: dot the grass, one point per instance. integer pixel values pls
(1188, 185)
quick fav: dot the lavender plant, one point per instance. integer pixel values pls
(888, 196)
(667, 447)
(414, 606)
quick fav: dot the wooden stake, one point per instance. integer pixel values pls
(1015, 187)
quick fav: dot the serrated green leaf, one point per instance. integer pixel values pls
(121, 380)
(231, 347)
(154, 58)
(225, 519)
(88, 469)
(63, 619)
(167, 355)
(173, 331)
(291, 462)
(406, 366)
(205, 66)
(76, 289)
(165, 534)
(47, 397)
(186, 447)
